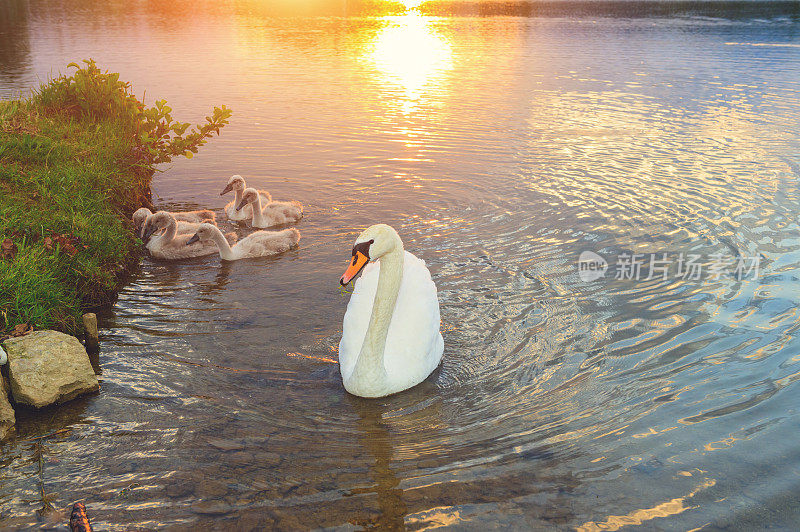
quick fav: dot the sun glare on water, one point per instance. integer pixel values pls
(411, 4)
(408, 52)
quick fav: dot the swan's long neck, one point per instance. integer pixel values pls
(369, 368)
(225, 250)
(170, 232)
(238, 199)
(258, 216)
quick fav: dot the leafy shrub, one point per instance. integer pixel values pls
(100, 95)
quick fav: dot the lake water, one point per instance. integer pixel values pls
(501, 148)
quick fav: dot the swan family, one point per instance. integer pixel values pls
(188, 234)
(391, 339)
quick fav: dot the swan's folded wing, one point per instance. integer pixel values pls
(263, 245)
(412, 346)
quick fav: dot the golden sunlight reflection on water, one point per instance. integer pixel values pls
(409, 53)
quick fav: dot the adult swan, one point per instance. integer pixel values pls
(390, 338)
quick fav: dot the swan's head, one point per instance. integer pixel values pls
(158, 221)
(250, 195)
(205, 231)
(236, 182)
(375, 242)
(139, 217)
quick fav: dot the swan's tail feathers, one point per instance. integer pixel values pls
(294, 210)
(293, 236)
(207, 215)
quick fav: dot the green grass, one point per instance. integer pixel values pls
(77, 163)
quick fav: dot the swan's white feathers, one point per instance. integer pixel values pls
(263, 243)
(257, 244)
(274, 212)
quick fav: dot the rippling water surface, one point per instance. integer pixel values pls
(500, 148)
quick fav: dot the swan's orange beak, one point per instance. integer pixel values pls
(356, 265)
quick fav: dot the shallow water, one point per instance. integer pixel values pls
(501, 148)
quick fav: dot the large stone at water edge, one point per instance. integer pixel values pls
(47, 367)
(7, 419)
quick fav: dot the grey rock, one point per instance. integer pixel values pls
(47, 367)
(7, 419)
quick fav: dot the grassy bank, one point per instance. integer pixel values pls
(76, 159)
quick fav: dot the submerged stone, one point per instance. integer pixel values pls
(92, 339)
(47, 367)
(225, 445)
(211, 507)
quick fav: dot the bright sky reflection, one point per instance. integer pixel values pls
(409, 53)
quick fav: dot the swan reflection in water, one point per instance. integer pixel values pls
(377, 440)
(388, 428)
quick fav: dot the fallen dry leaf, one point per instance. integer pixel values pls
(21, 329)
(68, 243)
(69, 249)
(8, 249)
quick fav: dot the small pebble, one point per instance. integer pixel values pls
(225, 445)
(211, 507)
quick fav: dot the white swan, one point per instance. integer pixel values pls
(257, 244)
(236, 183)
(273, 213)
(170, 245)
(390, 338)
(140, 217)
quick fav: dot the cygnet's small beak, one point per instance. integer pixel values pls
(241, 205)
(227, 189)
(192, 240)
(356, 265)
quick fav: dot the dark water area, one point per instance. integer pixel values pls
(502, 149)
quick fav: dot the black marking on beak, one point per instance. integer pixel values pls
(227, 189)
(192, 240)
(363, 247)
(242, 204)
